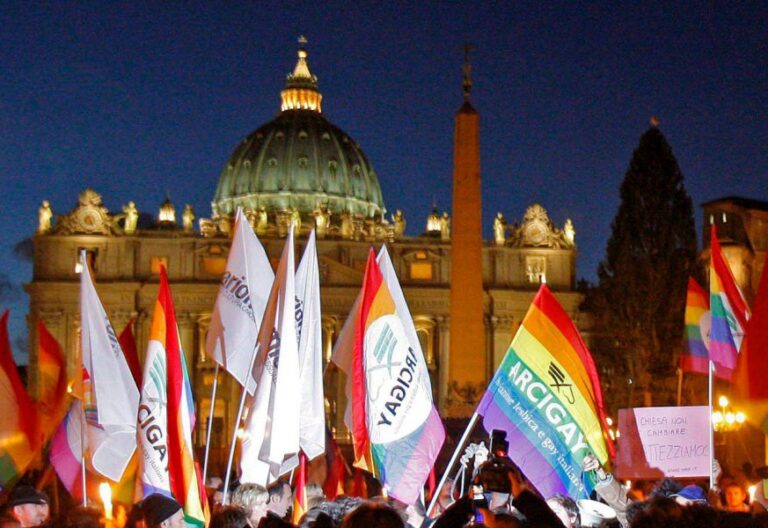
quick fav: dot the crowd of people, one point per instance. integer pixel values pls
(490, 502)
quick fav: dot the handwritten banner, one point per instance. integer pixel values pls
(658, 442)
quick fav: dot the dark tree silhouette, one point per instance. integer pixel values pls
(639, 301)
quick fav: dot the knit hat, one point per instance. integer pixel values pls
(692, 493)
(25, 494)
(158, 508)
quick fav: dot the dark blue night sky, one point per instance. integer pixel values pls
(139, 99)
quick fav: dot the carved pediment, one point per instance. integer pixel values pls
(90, 217)
(538, 230)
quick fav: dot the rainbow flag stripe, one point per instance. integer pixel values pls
(729, 312)
(695, 357)
(185, 481)
(19, 433)
(546, 395)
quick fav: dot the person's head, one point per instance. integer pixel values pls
(315, 494)
(280, 498)
(253, 499)
(566, 510)
(230, 517)
(28, 506)
(83, 517)
(735, 494)
(135, 517)
(162, 512)
(372, 515)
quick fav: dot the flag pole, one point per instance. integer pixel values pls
(83, 426)
(711, 430)
(679, 386)
(210, 422)
(230, 460)
(459, 447)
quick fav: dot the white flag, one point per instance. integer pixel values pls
(153, 422)
(112, 435)
(345, 342)
(309, 331)
(240, 304)
(272, 427)
(401, 307)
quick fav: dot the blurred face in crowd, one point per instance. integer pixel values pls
(562, 513)
(31, 514)
(279, 504)
(175, 521)
(734, 497)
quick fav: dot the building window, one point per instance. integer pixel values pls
(156, 262)
(421, 271)
(536, 270)
(215, 266)
(90, 258)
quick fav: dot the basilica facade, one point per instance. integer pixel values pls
(298, 167)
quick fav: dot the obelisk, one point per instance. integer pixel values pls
(467, 354)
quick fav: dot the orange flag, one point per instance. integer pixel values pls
(52, 402)
(128, 344)
(752, 364)
(300, 496)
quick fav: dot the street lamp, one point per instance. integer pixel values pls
(725, 419)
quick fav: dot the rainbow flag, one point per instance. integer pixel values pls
(695, 357)
(730, 313)
(184, 478)
(397, 433)
(52, 402)
(546, 395)
(19, 433)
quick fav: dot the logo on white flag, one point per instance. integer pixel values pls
(396, 395)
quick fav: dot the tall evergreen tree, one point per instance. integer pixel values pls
(640, 299)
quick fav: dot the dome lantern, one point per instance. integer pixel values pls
(301, 91)
(167, 214)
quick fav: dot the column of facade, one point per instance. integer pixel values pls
(444, 357)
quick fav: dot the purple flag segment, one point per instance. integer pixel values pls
(541, 434)
(404, 462)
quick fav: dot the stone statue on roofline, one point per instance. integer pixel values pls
(188, 218)
(445, 226)
(131, 218)
(398, 220)
(499, 229)
(44, 215)
(322, 221)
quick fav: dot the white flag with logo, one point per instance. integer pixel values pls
(272, 428)
(112, 431)
(401, 307)
(343, 349)
(153, 422)
(240, 304)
